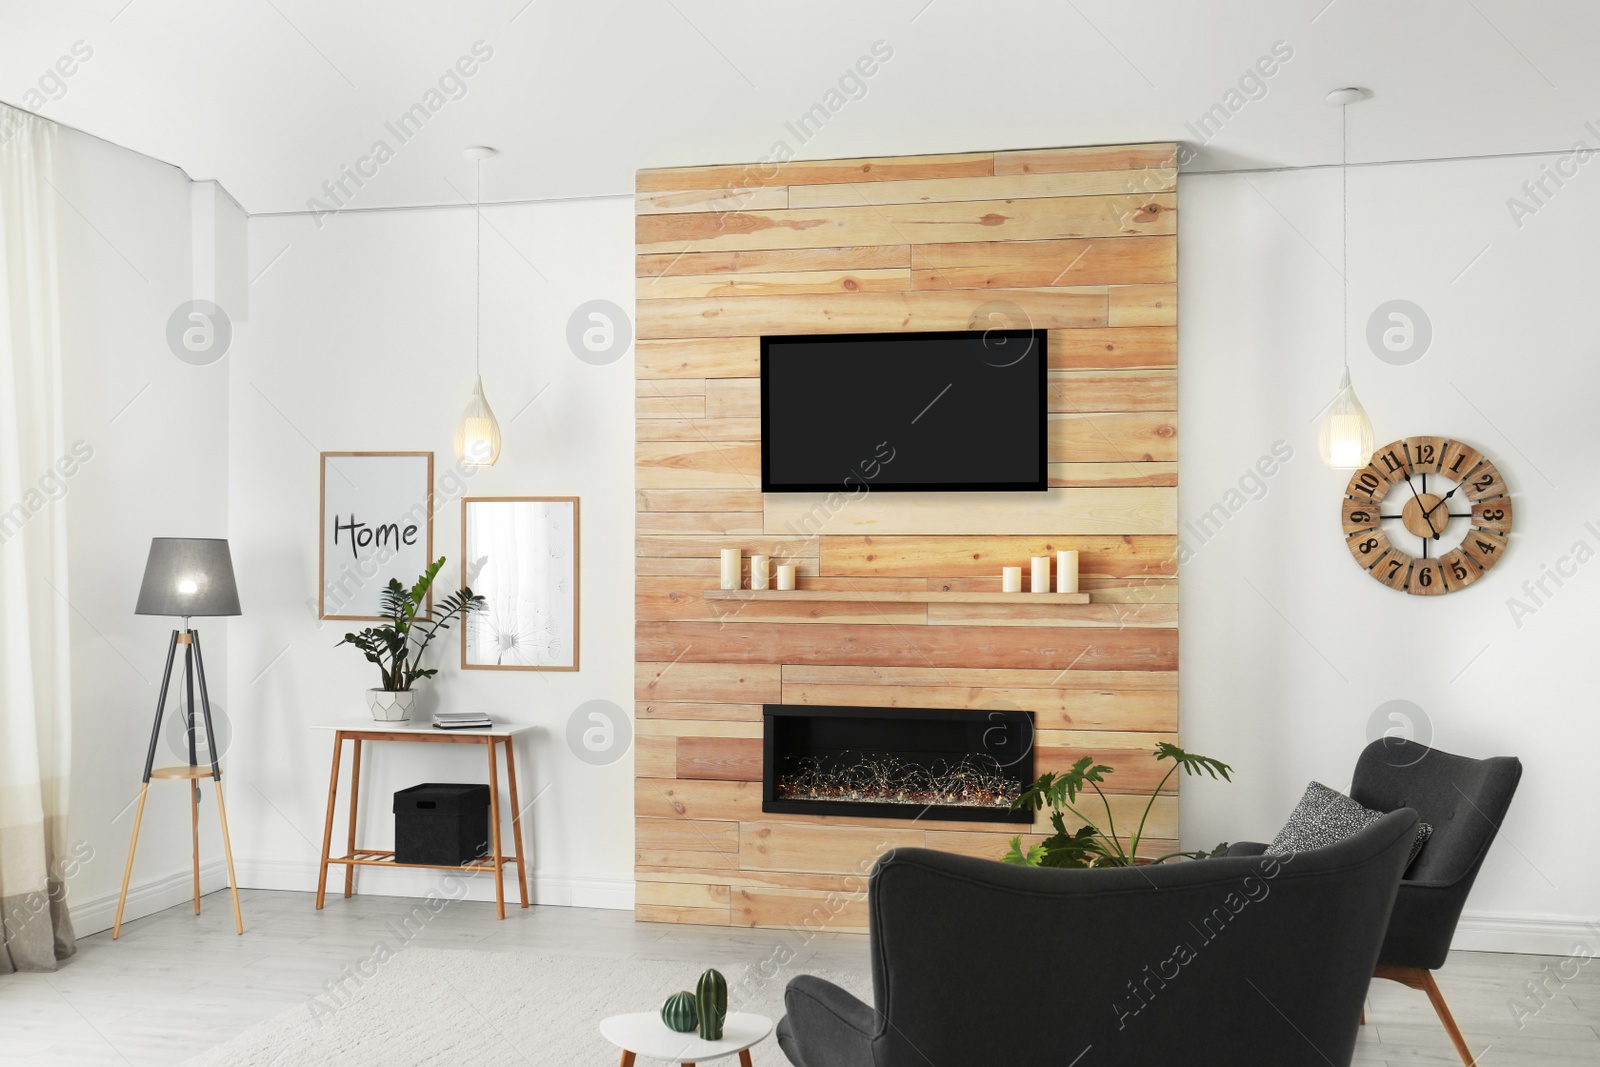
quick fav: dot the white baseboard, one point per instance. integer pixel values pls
(557, 890)
(90, 915)
(1535, 935)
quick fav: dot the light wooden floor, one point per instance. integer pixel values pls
(176, 985)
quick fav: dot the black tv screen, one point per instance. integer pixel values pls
(948, 411)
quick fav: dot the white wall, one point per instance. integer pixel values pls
(361, 339)
(1288, 648)
(157, 430)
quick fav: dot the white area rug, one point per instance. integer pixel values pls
(429, 1007)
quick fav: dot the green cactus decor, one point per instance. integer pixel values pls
(711, 999)
(680, 1013)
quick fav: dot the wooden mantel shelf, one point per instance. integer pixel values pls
(897, 596)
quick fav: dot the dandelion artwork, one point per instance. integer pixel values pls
(521, 556)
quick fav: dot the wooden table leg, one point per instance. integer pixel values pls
(627, 1059)
(516, 822)
(327, 826)
(127, 872)
(227, 853)
(355, 801)
(744, 1058)
(494, 832)
(194, 827)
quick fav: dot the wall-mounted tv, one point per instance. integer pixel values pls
(950, 411)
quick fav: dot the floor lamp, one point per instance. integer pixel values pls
(186, 577)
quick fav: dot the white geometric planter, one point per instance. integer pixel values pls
(390, 707)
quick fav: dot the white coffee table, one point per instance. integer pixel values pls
(644, 1034)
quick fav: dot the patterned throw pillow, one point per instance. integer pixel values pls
(1323, 817)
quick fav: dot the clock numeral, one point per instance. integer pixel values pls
(1392, 462)
(1459, 568)
(1459, 459)
(1425, 579)
(1493, 515)
(1483, 547)
(1425, 453)
(1369, 547)
(1484, 483)
(1429, 578)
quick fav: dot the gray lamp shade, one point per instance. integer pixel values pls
(187, 576)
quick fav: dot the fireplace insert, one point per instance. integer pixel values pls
(899, 763)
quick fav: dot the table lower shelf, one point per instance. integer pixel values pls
(367, 857)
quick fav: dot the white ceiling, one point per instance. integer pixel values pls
(274, 97)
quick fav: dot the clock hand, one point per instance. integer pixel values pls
(1425, 514)
(1442, 500)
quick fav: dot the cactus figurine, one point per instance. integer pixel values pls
(680, 1013)
(711, 999)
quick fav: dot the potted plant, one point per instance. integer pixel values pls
(397, 645)
(1089, 845)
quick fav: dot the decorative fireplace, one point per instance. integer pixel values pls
(900, 763)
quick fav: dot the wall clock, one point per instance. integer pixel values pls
(1427, 516)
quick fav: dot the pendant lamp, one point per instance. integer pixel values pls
(1346, 438)
(478, 433)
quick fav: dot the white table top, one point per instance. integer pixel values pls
(422, 725)
(644, 1034)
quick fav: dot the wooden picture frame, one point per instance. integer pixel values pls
(531, 622)
(391, 494)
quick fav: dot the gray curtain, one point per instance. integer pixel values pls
(35, 693)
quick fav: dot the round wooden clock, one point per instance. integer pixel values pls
(1427, 516)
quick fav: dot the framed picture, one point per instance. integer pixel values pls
(520, 553)
(376, 523)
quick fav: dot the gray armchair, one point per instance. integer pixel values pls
(1242, 960)
(1465, 800)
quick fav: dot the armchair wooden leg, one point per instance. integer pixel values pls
(1421, 978)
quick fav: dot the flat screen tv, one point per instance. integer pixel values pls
(951, 411)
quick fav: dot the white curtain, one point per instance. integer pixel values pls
(35, 697)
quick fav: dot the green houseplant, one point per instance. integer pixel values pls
(398, 644)
(1089, 845)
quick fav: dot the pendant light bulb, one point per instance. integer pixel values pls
(478, 432)
(1346, 437)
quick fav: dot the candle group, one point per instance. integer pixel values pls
(1039, 574)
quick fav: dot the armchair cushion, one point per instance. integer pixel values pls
(1323, 817)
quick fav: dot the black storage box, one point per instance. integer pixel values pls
(439, 823)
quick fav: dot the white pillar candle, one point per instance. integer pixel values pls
(1011, 579)
(785, 576)
(758, 572)
(1041, 574)
(1067, 571)
(730, 568)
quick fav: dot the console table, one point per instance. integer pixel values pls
(491, 737)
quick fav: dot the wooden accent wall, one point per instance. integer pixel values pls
(1081, 241)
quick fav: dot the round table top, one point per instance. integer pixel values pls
(644, 1034)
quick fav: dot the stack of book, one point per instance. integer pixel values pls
(461, 720)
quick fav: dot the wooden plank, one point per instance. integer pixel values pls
(730, 759)
(770, 260)
(1144, 305)
(896, 596)
(734, 683)
(664, 709)
(1161, 156)
(706, 568)
(688, 386)
(656, 859)
(777, 846)
(734, 398)
(680, 894)
(686, 835)
(1042, 219)
(1026, 614)
(1123, 348)
(1131, 756)
(877, 556)
(702, 357)
(670, 407)
(801, 909)
(1110, 390)
(888, 280)
(866, 312)
(1090, 475)
(1027, 678)
(722, 523)
(676, 728)
(1060, 648)
(814, 172)
(697, 465)
(1053, 708)
(1061, 512)
(655, 757)
(655, 913)
(692, 500)
(1005, 187)
(724, 199)
(702, 431)
(1031, 264)
(785, 549)
(843, 883)
(666, 598)
(1114, 437)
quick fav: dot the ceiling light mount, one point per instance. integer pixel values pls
(1347, 95)
(480, 152)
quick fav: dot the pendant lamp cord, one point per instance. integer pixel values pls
(1344, 222)
(477, 272)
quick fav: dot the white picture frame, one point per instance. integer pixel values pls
(375, 522)
(521, 554)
